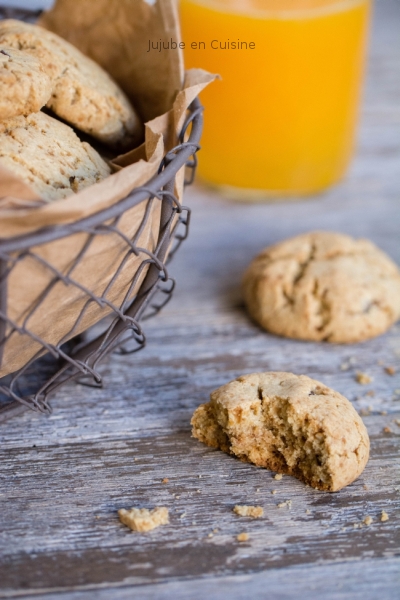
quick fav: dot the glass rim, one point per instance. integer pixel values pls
(331, 7)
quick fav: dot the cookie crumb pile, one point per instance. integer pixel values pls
(143, 519)
(287, 423)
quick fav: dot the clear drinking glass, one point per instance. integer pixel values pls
(282, 120)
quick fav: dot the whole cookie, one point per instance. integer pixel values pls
(287, 423)
(325, 287)
(49, 156)
(25, 87)
(83, 93)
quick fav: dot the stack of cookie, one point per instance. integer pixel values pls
(39, 70)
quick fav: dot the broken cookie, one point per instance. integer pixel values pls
(287, 423)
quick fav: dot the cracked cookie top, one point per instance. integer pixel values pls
(25, 86)
(49, 156)
(83, 94)
(325, 287)
(287, 423)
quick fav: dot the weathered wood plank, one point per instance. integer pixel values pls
(355, 580)
(62, 525)
(62, 478)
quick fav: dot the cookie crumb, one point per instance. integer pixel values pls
(165, 480)
(365, 412)
(242, 537)
(367, 520)
(363, 378)
(249, 511)
(390, 370)
(210, 535)
(274, 492)
(182, 516)
(370, 393)
(238, 405)
(308, 512)
(215, 530)
(286, 503)
(143, 519)
(384, 516)
(383, 412)
(397, 421)
(387, 430)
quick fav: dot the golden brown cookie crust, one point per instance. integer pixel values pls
(25, 87)
(287, 423)
(48, 156)
(83, 94)
(323, 286)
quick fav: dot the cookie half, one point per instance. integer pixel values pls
(49, 156)
(25, 86)
(83, 94)
(287, 423)
(325, 287)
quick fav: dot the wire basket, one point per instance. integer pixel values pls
(118, 329)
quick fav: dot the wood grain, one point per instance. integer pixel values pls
(63, 478)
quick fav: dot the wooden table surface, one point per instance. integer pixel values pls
(64, 477)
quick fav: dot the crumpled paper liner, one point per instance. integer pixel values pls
(116, 34)
(21, 211)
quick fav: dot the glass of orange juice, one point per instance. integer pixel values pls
(282, 120)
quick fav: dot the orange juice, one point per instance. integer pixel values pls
(283, 118)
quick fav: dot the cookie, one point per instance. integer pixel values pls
(49, 156)
(287, 423)
(325, 287)
(83, 94)
(25, 87)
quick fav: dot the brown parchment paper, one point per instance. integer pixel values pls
(21, 211)
(116, 34)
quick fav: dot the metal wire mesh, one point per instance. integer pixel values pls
(77, 356)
